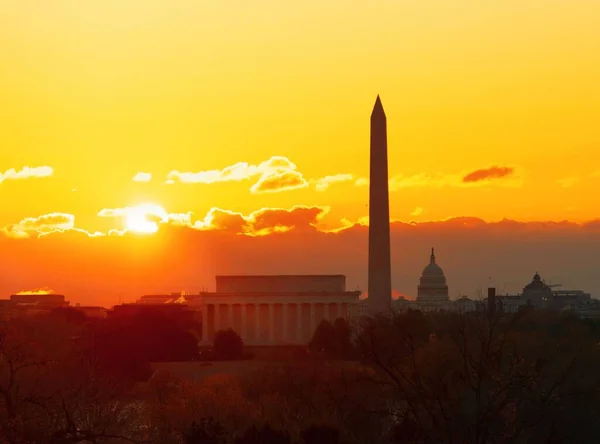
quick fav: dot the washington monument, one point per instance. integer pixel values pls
(380, 274)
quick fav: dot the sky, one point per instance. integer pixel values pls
(240, 117)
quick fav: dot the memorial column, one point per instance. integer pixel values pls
(299, 323)
(312, 321)
(205, 323)
(271, 323)
(285, 323)
(257, 318)
(244, 332)
(217, 317)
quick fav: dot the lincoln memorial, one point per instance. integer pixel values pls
(273, 310)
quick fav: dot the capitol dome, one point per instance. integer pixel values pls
(432, 284)
(432, 269)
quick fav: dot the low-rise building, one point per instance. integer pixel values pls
(273, 310)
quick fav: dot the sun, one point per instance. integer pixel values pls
(144, 218)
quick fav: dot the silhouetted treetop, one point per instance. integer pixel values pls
(228, 345)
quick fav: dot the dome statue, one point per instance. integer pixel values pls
(537, 285)
(433, 269)
(432, 285)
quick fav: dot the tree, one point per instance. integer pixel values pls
(69, 314)
(264, 435)
(343, 336)
(52, 389)
(206, 431)
(323, 339)
(128, 344)
(320, 434)
(486, 379)
(298, 395)
(228, 345)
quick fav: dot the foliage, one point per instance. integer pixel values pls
(528, 378)
(53, 391)
(207, 431)
(333, 341)
(298, 395)
(422, 378)
(126, 345)
(264, 435)
(320, 434)
(69, 315)
(228, 345)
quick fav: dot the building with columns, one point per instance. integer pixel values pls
(273, 310)
(432, 292)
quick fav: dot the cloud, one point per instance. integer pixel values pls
(417, 212)
(323, 183)
(148, 218)
(568, 182)
(239, 171)
(223, 220)
(26, 173)
(280, 174)
(144, 218)
(421, 180)
(480, 177)
(493, 172)
(275, 174)
(44, 224)
(112, 212)
(142, 177)
(264, 221)
(275, 182)
(267, 220)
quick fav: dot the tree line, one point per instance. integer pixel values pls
(406, 378)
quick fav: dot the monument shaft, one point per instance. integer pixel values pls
(380, 275)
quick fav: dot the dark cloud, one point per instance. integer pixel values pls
(272, 219)
(494, 172)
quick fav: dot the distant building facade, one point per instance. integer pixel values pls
(359, 310)
(433, 296)
(538, 295)
(273, 310)
(29, 304)
(40, 300)
(34, 303)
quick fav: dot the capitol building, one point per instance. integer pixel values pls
(433, 296)
(432, 292)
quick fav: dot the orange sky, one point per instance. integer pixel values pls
(102, 90)
(95, 92)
